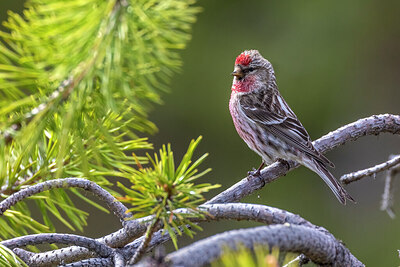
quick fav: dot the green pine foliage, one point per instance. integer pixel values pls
(8, 258)
(164, 187)
(77, 80)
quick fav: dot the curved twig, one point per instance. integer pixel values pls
(53, 238)
(113, 204)
(320, 248)
(23, 255)
(214, 212)
(234, 211)
(388, 192)
(355, 176)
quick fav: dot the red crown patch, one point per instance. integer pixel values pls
(243, 59)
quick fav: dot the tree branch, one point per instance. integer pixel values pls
(374, 125)
(320, 248)
(103, 262)
(67, 86)
(24, 255)
(214, 212)
(113, 204)
(151, 228)
(53, 238)
(369, 126)
(62, 92)
(355, 176)
(237, 211)
(388, 192)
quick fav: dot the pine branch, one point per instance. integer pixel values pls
(115, 206)
(103, 262)
(372, 125)
(320, 248)
(151, 228)
(9, 133)
(215, 212)
(111, 59)
(23, 254)
(53, 238)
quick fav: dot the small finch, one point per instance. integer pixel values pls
(268, 125)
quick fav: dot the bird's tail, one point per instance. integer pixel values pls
(340, 193)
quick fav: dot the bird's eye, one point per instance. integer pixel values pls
(249, 69)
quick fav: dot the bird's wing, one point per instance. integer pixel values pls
(278, 119)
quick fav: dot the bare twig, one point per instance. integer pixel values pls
(119, 260)
(355, 176)
(62, 256)
(235, 211)
(103, 262)
(143, 246)
(23, 255)
(320, 248)
(297, 259)
(388, 192)
(114, 205)
(53, 238)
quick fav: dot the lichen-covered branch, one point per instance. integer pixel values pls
(234, 211)
(355, 176)
(103, 262)
(24, 255)
(151, 228)
(320, 248)
(115, 206)
(214, 212)
(53, 238)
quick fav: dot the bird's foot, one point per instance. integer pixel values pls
(253, 174)
(284, 162)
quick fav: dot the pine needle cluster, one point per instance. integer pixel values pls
(77, 81)
(163, 188)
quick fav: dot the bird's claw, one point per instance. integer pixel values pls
(285, 162)
(253, 174)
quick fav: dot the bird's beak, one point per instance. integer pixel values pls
(238, 72)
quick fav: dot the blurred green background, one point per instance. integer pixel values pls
(336, 62)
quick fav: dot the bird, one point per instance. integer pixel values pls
(267, 124)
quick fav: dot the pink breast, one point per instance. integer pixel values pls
(243, 86)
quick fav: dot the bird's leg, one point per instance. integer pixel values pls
(256, 173)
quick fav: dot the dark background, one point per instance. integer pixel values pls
(336, 62)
